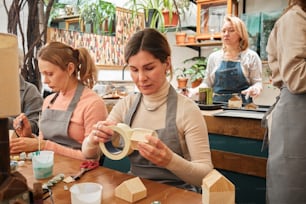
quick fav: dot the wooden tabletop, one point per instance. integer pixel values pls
(109, 179)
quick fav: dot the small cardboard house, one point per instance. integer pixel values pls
(131, 190)
(217, 189)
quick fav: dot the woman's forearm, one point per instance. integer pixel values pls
(90, 150)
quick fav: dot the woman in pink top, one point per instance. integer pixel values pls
(69, 114)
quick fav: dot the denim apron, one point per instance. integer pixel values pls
(169, 135)
(54, 123)
(286, 166)
(229, 79)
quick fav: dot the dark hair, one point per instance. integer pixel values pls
(152, 41)
(301, 3)
(61, 55)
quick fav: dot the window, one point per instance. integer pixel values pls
(210, 14)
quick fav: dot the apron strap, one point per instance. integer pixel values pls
(171, 107)
(76, 97)
(129, 116)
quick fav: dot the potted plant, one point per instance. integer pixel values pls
(108, 17)
(101, 15)
(181, 77)
(170, 15)
(152, 11)
(57, 10)
(173, 9)
(196, 71)
(180, 6)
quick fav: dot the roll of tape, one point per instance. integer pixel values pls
(113, 151)
(118, 148)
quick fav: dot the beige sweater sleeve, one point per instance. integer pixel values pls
(286, 51)
(196, 163)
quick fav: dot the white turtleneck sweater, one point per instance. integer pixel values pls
(191, 128)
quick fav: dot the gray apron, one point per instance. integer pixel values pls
(229, 79)
(286, 168)
(54, 123)
(169, 135)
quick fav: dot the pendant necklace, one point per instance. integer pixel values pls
(152, 108)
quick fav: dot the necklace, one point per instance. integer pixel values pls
(152, 108)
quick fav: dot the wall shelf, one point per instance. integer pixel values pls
(197, 46)
(210, 14)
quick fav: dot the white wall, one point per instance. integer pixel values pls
(253, 6)
(3, 17)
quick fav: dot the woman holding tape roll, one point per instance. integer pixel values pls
(180, 155)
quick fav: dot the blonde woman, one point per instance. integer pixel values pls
(234, 69)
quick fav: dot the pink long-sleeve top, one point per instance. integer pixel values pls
(89, 110)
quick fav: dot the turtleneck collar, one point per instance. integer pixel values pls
(158, 97)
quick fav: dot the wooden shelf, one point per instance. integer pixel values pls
(202, 44)
(197, 46)
(210, 14)
(64, 18)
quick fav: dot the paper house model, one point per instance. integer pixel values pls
(217, 189)
(131, 190)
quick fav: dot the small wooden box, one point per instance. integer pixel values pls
(217, 189)
(131, 190)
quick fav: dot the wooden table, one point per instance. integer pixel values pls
(110, 179)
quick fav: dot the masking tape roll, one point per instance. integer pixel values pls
(130, 139)
(114, 152)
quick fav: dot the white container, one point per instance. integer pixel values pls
(42, 163)
(86, 193)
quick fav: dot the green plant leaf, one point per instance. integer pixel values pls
(197, 68)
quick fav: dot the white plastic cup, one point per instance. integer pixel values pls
(86, 193)
(42, 162)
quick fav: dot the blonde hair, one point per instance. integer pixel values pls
(61, 55)
(241, 29)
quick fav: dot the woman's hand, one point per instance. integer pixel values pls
(252, 91)
(101, 132)
(155, 151)
(22, 126)
(25, 144)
